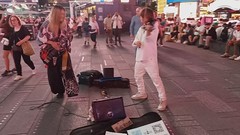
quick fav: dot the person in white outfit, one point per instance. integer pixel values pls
(146, 58)
(117, 27)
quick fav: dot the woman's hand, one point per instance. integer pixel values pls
(19, 43)
(55, 45)
(75, 26)
(25, 39)
(138, 44)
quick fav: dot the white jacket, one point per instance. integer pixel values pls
(117, 22)
(148, 49)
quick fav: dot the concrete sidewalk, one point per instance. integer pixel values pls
(203, 91)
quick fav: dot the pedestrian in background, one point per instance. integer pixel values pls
(146, 58)
(163, 24)
(107, 22)
(56, 33)
(86, 29)
(94, 30)
(135, 23)
(79, 28)
(117, 27)
(18, 37)
(7, 48)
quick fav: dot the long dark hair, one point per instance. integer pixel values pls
(149, 14)
(7, 29)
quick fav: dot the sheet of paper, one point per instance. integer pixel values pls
(113, 133)
(156, 128)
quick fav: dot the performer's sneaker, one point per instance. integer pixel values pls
(139, 96)
(162, 105)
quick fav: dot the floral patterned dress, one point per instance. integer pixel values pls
(61, 61)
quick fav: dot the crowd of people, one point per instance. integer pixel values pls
(205, 34)
(147, 30)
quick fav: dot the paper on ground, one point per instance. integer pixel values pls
(156, 128)
(112, 133)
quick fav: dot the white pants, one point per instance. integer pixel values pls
(151, 67)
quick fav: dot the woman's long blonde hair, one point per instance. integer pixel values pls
(54, 19)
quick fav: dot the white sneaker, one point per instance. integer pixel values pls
(233, 57)
(178, 41)
(34, 72)
(185, 42)
(139, 96)
(162, 105)
(238, 58)
(18, 77)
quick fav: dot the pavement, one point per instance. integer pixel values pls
(203, 91)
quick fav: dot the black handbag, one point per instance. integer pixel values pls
(16, 48)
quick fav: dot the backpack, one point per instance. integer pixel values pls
(224, 34)
(86, 26)
(87, 77)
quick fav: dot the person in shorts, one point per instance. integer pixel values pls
(7, 49)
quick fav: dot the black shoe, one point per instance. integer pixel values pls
(206, 47)
(6, 73)
(200, 46)
(14, 69)
(60, 95)
(71, 94)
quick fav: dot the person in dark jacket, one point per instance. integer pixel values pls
(209, 35)
(18, 37)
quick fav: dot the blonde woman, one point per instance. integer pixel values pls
(56, 33)
(18, 37)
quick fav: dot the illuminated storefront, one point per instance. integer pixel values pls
(225, 9)
(161, 4)
(181, 6)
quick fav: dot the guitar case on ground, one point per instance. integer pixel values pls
(101, 127)
(112, 82)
